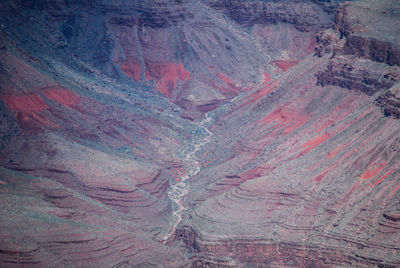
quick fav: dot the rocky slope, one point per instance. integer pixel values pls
(311, 171)
(199, 133)
(298, 179)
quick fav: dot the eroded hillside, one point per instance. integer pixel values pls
(199, 133)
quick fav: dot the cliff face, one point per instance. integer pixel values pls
(304, 15)
(375, 50)
(364, 45)
(380, 42)
(154, 14)
(390, 102)
(252, 252)
(359, 74)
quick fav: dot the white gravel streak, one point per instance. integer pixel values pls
(179, 190)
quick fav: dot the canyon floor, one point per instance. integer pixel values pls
(183, 133)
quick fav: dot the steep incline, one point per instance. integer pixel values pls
(297, 179)
(302, 175)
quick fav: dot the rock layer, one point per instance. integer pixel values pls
(364, 57)
(380, 42)
(305, 16)
(298, 171)
(359, 74)
(390, 102)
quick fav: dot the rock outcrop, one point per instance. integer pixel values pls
(245, 252)
(364, 45)
(390, 102)
(304, 15)
(359, 74)
(371, 30)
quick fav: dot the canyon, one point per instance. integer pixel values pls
(182, 133)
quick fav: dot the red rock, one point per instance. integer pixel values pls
(166, 75)
(28, 103)
(255, 153)
(132, 69)
(62, 96)
(285, 65)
